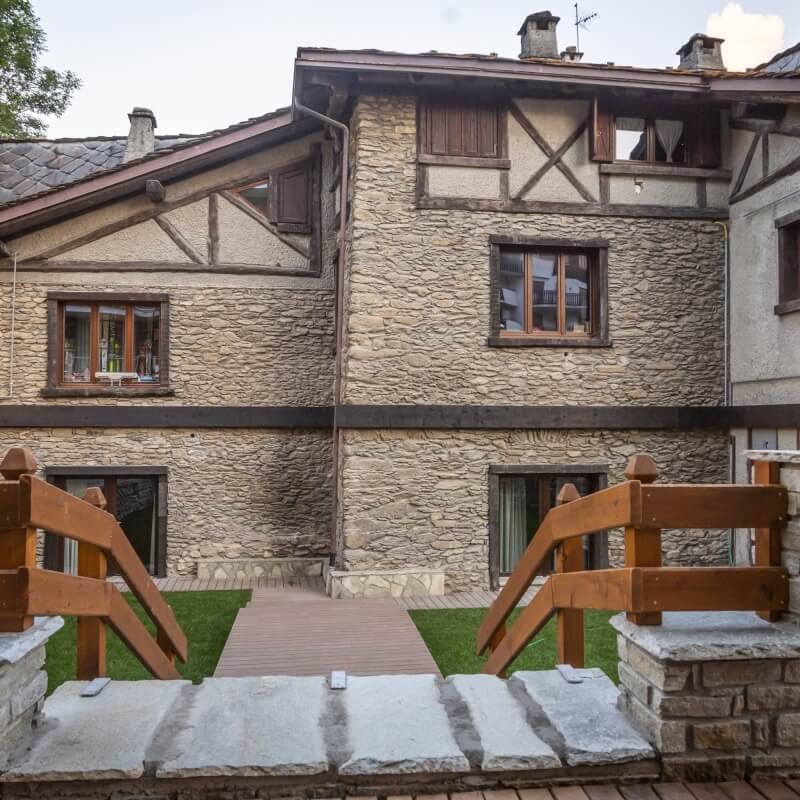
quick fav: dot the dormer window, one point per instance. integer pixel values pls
(283, 197)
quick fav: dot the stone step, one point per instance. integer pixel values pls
(585, 715)
(469, 727)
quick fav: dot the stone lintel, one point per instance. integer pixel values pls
(782, 456)
(694, 636)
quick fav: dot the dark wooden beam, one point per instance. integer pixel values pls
(155, 191)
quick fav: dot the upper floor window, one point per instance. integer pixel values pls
(788, 263)
(283, 197)
(650, 139)
(107, 341)
(548, 294)
(459, 129)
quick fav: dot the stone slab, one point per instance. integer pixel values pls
(507, 740)
(712, 635)
(15, 646)
(271, 725)
(98, 738)
(396, 724)
(784, 456)
(593, 729)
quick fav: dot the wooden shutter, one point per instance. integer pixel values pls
(601, 132)
(705, 137)
(454, 129)
(291, 195)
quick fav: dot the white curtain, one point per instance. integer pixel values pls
(629, 124)
(669, 133)
(513, 534)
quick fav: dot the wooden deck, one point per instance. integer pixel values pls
(301, 631)
(732, 790)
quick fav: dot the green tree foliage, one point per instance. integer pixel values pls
(27, 89)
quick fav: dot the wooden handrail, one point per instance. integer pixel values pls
(28, 503)
(642, 510)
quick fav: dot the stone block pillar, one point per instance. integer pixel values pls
(717, 694)
(23, 683)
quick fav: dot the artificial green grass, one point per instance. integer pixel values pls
(206, 619)
(450, 635)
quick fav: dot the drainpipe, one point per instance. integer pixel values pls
(339, 317)
(10, 395)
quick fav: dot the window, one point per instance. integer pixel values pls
(108, 341)
(655, 134)
(650, 139)
(136, 496)
(548, 294)
(460, 129)
(520, 497)
(788, 263)
(283, 197)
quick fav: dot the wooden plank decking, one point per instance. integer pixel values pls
(730, 790)
(301, 631)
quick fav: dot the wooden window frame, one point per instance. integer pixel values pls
(57, 387)
(273, 177)
(425, 154)
(788, 231)
(598, 543)
(650, 118)
(595, 249)
(57, 475)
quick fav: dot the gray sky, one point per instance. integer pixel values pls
(204, 64)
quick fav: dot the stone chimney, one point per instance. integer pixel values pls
(571, 54)
(701, 52)
(141, 137)
(538, 34)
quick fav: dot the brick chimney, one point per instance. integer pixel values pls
(538, 34)
(701, 52)
(141, 137)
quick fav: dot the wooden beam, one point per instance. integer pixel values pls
(610, 508)
(130, 629)
(569, 622)
(48, 593)
(713, 506)
(767, 536)
(180, 241)
(600, 589)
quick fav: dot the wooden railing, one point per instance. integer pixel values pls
(27, 504)
(642, 588)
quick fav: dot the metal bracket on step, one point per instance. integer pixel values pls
(94, 687)
(569, 673)
(338, 679)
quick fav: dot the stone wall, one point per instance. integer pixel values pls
(419, 498)
(231, 341)
(23, 684)
(232, 494)
(717, 694)
(418, 296)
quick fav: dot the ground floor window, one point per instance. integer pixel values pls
(137, 499)
(520, 497)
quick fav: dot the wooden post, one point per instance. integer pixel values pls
(498, 637)
(569, 621)
(17, 545)
(92, 630)
(642, 545)
(767, 540)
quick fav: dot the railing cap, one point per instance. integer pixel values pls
(18, 461)
(94, 495)
(567, 494)
(641, 467)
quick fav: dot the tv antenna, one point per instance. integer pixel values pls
(581, 18)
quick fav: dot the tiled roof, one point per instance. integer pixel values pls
(28, 167)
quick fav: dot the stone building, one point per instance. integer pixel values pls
(530, 259)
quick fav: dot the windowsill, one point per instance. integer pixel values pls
(497, 340)
(464, 161)
(667, 170)
(293, 227)
(107, 391)
(788, 307)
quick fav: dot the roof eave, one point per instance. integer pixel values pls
(108, 186)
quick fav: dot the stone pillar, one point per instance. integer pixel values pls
(23, 683)
(717, 694)
(789, 461)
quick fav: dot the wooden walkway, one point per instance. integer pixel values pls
(301, 631)
(732, 790)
